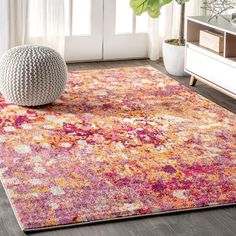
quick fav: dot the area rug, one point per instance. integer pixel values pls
(119, 143)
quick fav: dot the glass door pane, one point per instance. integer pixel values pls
(125, 35)
(84, 30)
(124, 17)
(142, 23)
(81, 20)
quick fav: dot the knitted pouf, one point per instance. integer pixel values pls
(32, 75)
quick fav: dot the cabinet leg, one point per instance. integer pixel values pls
(193, 81)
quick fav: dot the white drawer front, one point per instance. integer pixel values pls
(211, 69)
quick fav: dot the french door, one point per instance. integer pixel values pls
(104, 30)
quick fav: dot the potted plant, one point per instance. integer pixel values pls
(173, 49)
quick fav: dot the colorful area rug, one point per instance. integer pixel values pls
(119, 143)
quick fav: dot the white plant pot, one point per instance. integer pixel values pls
(173, 57)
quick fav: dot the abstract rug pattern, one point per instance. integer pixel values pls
(118, 143)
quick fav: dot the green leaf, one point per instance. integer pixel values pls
(155, 9)
(139, 6)
(152, 7)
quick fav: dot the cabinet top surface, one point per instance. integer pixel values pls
(219, 23)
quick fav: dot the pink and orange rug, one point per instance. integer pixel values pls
(119, 143)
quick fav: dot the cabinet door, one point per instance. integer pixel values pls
(213, 69)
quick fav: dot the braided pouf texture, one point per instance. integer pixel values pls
(32, 75)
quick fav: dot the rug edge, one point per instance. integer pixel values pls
(125, 218)
(48, 228)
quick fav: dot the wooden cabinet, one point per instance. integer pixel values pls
(215, 69)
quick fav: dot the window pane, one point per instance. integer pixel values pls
(142, 23)
(81, 20)
(67, 17)
(124, 17)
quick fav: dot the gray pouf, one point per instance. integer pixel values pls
(32, 75)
